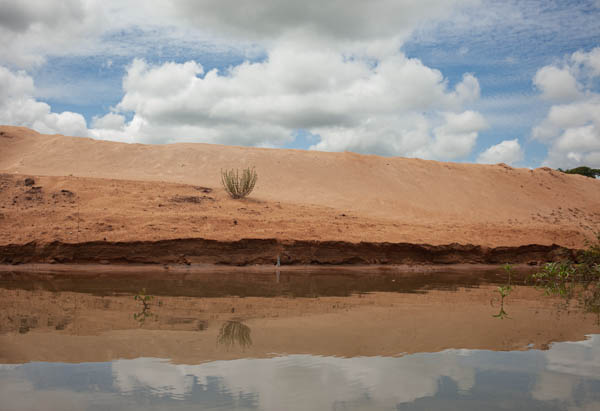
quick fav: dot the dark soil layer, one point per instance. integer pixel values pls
(265, 251)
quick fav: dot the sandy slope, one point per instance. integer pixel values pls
(131, 191)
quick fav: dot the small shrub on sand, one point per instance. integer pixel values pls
(236, 185)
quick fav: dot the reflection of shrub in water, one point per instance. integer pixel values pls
(591, 300)
(233, 332)
(504, 291)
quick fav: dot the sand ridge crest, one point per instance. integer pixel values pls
(125, 192)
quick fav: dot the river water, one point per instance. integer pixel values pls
(255, 339)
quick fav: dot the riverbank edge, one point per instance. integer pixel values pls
(248, 252)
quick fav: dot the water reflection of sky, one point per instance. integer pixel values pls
(567, 376)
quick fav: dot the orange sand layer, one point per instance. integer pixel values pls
(96, 190)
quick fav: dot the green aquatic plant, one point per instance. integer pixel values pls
(578, 279)
(590, 258)
(558, 278)
(234, 332)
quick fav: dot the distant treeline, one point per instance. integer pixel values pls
(584, 171)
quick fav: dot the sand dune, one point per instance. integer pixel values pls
(300, 195)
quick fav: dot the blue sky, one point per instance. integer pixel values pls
(505, 55)
(463, 80)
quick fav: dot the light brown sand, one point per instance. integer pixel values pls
(130, 192)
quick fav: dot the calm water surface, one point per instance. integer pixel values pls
(291, 340)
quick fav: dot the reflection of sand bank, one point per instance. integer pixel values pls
(75, 327)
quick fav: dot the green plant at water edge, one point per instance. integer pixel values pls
(233, 332)
(556, 278)
(236, 185)
(561, 278)
(590, 257)
(574, 280)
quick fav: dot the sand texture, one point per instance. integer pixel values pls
(87, 190)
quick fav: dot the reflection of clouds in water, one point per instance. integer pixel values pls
(318, 381)
(592, 406)
(577, 358)
(551, 386)
(160, 376)
(323, 381)
(566, 377)
(565, 364)
(19, 394)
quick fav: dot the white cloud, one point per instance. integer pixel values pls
(110, 121)
(590, 60)
(397, 106)
(18, 107)
(338, 22)
(508, 151)
(332, 69)
(30, 30)
(556, 83)
(572, 129)
(456, 138)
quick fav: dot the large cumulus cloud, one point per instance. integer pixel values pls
(31, 30)
(393, 106)
(334, 70)
(571, 128)
(19, 107)
(375, 28)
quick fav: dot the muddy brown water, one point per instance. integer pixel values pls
(293, 339)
